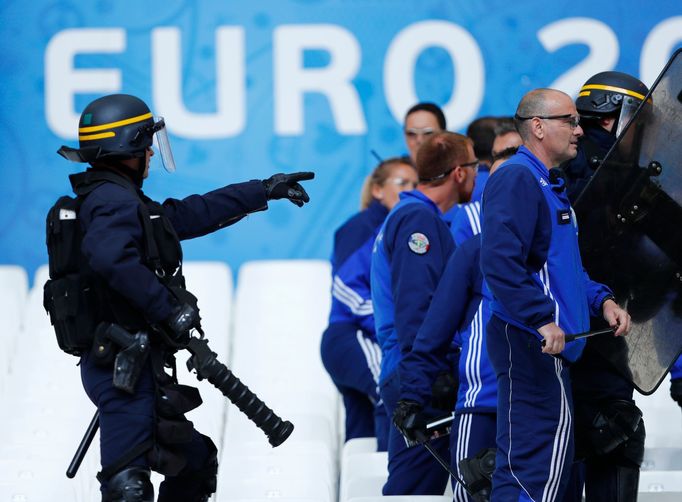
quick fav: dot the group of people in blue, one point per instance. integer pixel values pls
(466, 289)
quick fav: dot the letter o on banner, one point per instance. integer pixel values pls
(467, 60)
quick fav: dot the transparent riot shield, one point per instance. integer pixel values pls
(630, 218)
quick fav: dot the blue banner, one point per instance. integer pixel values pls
(248, 89)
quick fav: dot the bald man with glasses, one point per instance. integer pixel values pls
(531, 262)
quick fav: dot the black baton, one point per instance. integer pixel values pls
(445, 465)
(587, 334)
(83, 446)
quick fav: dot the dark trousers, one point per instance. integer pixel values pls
(535, 413)
(126, 420)
(353, 360)
(471, 433)
(411, 471)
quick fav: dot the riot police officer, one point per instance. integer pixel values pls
(608, 426)
(130, 274)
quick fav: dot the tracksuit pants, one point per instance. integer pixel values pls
(535, 412)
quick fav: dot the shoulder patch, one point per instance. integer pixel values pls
(418, 243)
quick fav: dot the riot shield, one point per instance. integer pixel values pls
(630, 217)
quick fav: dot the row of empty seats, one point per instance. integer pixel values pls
(267, 330)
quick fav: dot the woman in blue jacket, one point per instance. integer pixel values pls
(349, 350)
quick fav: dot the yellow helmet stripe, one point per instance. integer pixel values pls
(89, 137)
(120, 123)
(583, 94)
(600, 87)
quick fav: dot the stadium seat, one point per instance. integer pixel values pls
(294, 489)
(362, 473)
(662, 417)
(403, 498)
(211, 283)
(13, 298)
(660, 486)
(661, 473)
(280, 312)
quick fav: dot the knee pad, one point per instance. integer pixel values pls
(614, 425)
(631, 452)
(130, 485)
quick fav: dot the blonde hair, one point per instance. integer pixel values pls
(378, 177)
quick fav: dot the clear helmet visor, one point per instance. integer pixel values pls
(627, 110)
(163, 144)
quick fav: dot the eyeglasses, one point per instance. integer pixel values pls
(572, 120)
(472, 164)
(413, 132)
(402, 182)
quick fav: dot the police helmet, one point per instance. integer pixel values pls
(118, 126)
(604, 94)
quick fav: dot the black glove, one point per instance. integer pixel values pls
(408, 419)
(444, 392)
(286, 186)
(676, 390)
(181, 321)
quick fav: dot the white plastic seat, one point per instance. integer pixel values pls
(403, 498)
(211, 283)
(359, 445)
(36, 328)
(281, 310)
(363, 486)
(271, 489)
(660, 486)
(361, 473)
(269, 499)
(662, 459)
(662, 418)
(13, 298)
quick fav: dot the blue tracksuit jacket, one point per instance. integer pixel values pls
(353, 242)
(456, 305)
(530, 256)
(408, 259)
(477, 382)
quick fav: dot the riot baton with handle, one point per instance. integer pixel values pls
(83, 446)
(204, 361)
(587, 334)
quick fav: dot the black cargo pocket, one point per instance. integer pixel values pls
(70, 305)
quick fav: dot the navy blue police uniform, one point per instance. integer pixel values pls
(113, 245)
(597, 385)
(350, 352)
(531, 262)
(408, 259)
(117, 267)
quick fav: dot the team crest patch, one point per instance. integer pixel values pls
(418, 243)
